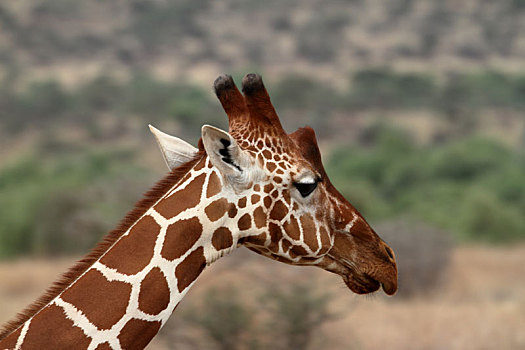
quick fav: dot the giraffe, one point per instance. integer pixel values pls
(255, 186)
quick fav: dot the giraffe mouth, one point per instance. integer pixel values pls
(361, 282)
(365, 284)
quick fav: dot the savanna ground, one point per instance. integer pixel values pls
(480, 304)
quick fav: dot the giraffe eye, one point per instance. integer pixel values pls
(305, 188)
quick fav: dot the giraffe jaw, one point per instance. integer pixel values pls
(359, 281)
(364, 284)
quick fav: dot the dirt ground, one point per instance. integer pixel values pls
(480, 306)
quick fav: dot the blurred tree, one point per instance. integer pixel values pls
(423, 255)
(225, 318)
(297, 313)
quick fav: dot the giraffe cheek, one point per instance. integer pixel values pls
(292, 228)
(222, 238)
(259, 217)
(326, 242)
(310, 232)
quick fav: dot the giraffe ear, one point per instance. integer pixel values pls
(224, 152)
(174, 150)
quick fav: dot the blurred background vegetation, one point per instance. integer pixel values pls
(418, 106)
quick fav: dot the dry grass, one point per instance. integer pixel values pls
(481, 305)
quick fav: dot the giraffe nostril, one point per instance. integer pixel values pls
(390, 253)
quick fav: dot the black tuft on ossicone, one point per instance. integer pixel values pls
(252, 83)
(222, 83)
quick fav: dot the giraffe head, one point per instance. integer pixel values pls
(284, 205)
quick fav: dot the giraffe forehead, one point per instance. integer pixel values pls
(281, 157)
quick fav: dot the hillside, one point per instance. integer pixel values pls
(194, 40)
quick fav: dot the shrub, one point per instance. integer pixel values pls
(47, 206)
(385, 88)
(297, 314)
(224, 318)
(422, 252)
(448, 186)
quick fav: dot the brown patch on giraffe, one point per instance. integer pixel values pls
(277, 179)
(310, 232)
(276, 157)
(259, 240)
(267, 154)
(103, 302)
(200, 165)
(180, 237)
(214, 186)
(189, 269)
(275, 193)
(279, 211)
(259, 217)
(104, 346)
(242, 202)
(267, 202)
(279, 171)
(325, 240)
(245, 222)
(271, 166)
(62, 335)
(154, 295)
(260, 144)
(291, 227)
(268, 188)
(232, 211)
(139, 244)
(9, 342)
(187, 198)
(287, 197)
(300, 251)
(217, 209)
(257, 188)
(136, 334)
(260, 159)
(275, 233)
(222, 238)
(255, 198)
(141, 207)
(286, 245)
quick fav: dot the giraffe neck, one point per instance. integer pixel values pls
(123, 299)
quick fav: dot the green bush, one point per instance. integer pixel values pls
(48, 207)
(384, 88)
(224, 318)
(297, 314)
(474, 188)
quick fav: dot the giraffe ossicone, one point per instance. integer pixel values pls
(255, 186)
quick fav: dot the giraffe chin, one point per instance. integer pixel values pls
(361, 284)
(365, 284)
